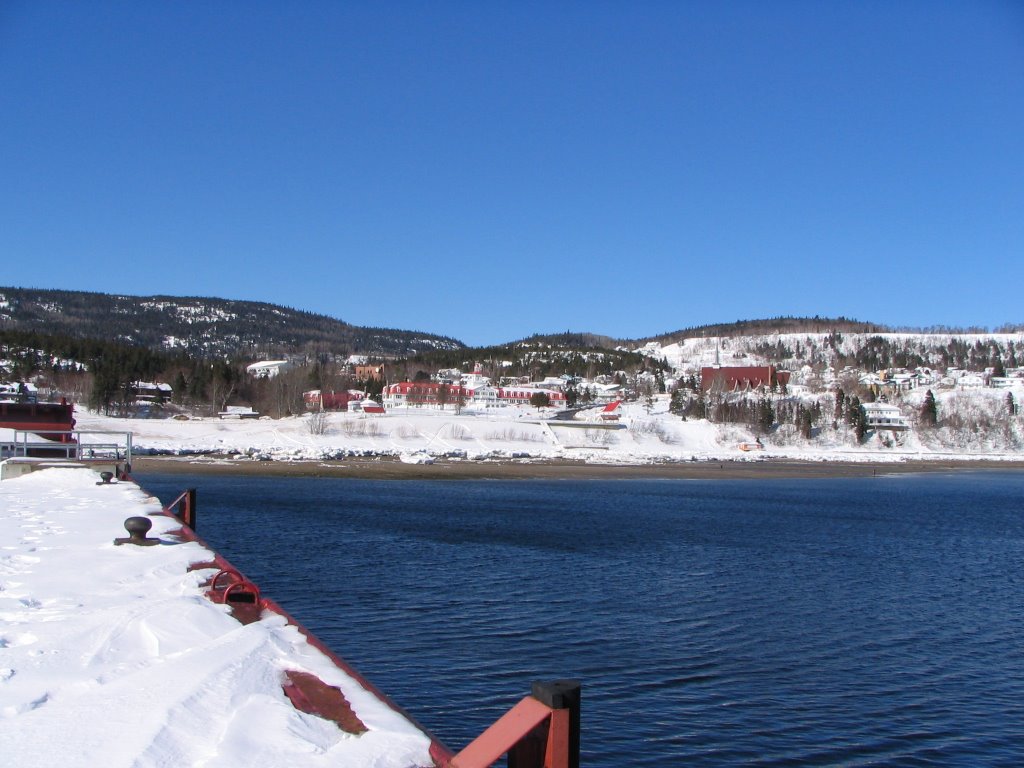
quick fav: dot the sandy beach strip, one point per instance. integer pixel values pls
(386, 468)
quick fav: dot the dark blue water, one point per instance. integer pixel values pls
(873, 621)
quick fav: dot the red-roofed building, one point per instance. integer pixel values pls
(741, 378)
(522, 396)
(318, 400)
(419, 394)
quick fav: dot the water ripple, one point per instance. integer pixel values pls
(848, 622)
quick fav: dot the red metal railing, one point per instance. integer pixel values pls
(541, 731)
(184, 508)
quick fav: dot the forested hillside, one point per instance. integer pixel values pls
(206, 327)
(578, 355)
(787, 324)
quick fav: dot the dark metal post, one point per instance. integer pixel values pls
(564, 694)
(189, 503)
(556, 694)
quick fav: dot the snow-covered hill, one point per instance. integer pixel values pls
(792, 351)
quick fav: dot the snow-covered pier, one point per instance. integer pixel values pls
(115, 655)
(165, 655)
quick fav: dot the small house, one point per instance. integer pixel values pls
(268, 369)
(239, 412)
(611, 411)
(885, 416)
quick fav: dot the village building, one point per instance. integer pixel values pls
(369, 372)
(1007, 382)
(150, 392)
(970, 381)
(238, 412)
(524, 394)
(474, 380)
(885, 416)
(447, 375)
(600, 393)
(433, 394)
(424, 394)
(320, 400)
(888, 383)
(902, 381)
(365, 405)
(19, 392)
(743, 378)
(553, 382)
(268, 369)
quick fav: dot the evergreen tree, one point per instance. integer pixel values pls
(104, 387)
(804, 422)
(677, 403)
(572, 396)
(765, 415)
(179, 386)
(197, 383)
(857, 418)
(316, 377)
(698, 406)
(929, 415)
(861, 423)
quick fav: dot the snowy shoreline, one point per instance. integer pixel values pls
(522, 442)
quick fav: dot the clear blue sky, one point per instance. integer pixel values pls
(489, 170)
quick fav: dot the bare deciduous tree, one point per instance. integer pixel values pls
(317, 424)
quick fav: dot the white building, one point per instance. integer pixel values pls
(970, 381)
(152, 392)
(268, 369)
(479, 388)
(885, 416)
(1007, 382)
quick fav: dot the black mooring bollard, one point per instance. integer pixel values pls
(137, 528)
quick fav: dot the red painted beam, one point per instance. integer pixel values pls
(507, 731)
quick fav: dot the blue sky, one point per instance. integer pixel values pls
(493, 170)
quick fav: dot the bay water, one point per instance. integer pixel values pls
(867, 621)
